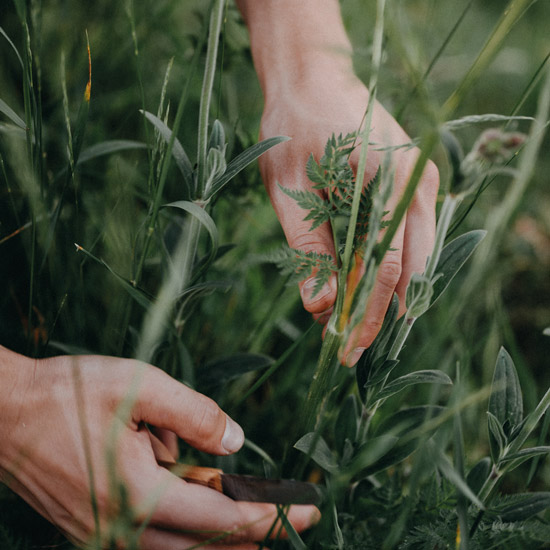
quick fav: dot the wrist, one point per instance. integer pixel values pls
(297, 44)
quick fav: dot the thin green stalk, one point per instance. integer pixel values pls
(510, 16)
(320, 383)
(447, 210)
(216, 17)
(177, 278)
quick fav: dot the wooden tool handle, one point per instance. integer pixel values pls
(208, 477)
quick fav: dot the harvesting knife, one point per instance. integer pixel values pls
(250, 488)
(239, 487)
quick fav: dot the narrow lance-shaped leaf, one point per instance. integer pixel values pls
(513, 460)
(109, 147)
(418, 377)
(506, 401)
(178, 152)
(497, 437)
(222, 370)
(345, 427)
(241, 161)
(321, 454)
(453, 257)
(134, 292)
(12, 115)
(205, 219)
(525, 505)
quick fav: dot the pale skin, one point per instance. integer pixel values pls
(303, 59)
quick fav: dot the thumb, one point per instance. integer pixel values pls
(165, 403)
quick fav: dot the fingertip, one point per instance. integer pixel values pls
(303, 516)
(315, 299)
(233, 436)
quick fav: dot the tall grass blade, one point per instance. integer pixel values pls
(510, 16)
(12, 115)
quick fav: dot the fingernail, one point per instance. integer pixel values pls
(354, 356)
(233, 437)
(308, 289)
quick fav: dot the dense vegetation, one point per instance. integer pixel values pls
(95, 173)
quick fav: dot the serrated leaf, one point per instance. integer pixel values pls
(345, 428)
(497, 437)
(241, 161)
(313, 171)
(506, 401)
(178, 152)
(321, 454)
(224, 369)
(526, 505)
(418, 377)
(452, 258)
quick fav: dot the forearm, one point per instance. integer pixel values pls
(296, 42)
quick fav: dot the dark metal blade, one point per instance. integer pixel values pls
(276, 491)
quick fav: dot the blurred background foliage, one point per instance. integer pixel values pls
(79, 305)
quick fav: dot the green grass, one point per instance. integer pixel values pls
(110, 206)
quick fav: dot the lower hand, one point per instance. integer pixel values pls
(71, 421)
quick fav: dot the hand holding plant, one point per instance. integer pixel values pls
(310, 93)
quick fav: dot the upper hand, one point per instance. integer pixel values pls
(63, 415)
(310, 113)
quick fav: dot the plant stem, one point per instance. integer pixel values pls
(216, 17)
(445, 216)
(320, 383)
(178, 276)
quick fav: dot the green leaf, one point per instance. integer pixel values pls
(446, 468)
(12, 115)
(345, 428)
(321, 454)
(109, 147)
(513, 460)
(222, 370)
(452, 258)
(241, 161)
(217, 136)
(478, 474)
(370, 453)
(10, 42)
(506, 401)
(365, 366)
(525, 505)
(202, 215)
(293, 536)
(178, 152)
(482, 119)
(134, 292)
(418, 377)
(409, 427)
(497, 437)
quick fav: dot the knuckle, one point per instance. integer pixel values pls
(206, 418)
(389, 272)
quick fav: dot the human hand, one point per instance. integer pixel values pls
(309, 115)
(62, 415)
(303, 58)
